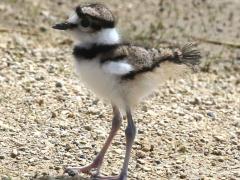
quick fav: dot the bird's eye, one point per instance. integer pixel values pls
(85, 23)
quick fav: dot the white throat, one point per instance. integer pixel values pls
(108, 36)
(104, 36)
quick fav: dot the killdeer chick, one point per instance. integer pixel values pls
(119, 72)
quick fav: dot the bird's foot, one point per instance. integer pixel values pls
(91, 169)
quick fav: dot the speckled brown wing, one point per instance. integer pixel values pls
(137, 56)
(145, 60)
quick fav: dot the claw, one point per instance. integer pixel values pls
(90, 169)
(70, 172)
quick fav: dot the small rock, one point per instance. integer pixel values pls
(31, 160)
(2, 157)
(58, 84)
(46, 158)
(14, 153)
(198, 117)
(117, 151)
(145, 168)
(220, 160)
(93, 110)
(141, 161)
(51, 69)
(68, 147)
(196, 101)
(211, 114)
(217, 152)
(144, 108)
(146, 148)
(140, 154)
(39, 77)
(219, 138)
(152, 113)
(88, 128)
(182, 149)
(40, 102)
(183, 176)
(158, 162)
(57, 168)
(43, 29)
(54, 115)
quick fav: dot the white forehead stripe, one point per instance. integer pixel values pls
(73, 18)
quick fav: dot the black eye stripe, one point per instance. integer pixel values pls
(95, 26)
(72, 25)
(85, 22)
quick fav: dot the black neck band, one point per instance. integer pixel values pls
(93, 51)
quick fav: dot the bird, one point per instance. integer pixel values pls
(120, 72)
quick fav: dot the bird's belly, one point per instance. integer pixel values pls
(93, 76)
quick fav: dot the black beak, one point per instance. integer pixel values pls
(64, 26)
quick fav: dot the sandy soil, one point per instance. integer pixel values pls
(188, 129)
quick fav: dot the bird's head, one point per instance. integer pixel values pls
(93, 23)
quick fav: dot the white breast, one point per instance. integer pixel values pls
(94, 77)
(105, 81)
(100, 81)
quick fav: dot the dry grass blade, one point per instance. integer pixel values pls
(211, 41)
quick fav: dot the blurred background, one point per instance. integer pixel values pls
(188, 129)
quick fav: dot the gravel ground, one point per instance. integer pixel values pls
(188, 129)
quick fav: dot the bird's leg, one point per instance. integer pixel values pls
(130, 133)
(97, 162)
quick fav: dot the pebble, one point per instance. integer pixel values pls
(211, 114)
(53, 115)
(219, 138)
(146, 148)
(117, 151)
(68, 147)
(51, 69)
(183, 176)
(141, 161)
(58, 84)
(87, 127)
(57, 168)
(146, 168)
(144, 108)
(14, 153)
(140, 154)
(93, 110)
(39, 77)
(46, 158)
(217, 152)
(182, 149)
(196, 101)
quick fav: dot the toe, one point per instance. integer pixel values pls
(70, 172)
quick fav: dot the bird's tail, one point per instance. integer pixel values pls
(187, 55)
(176, 62)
